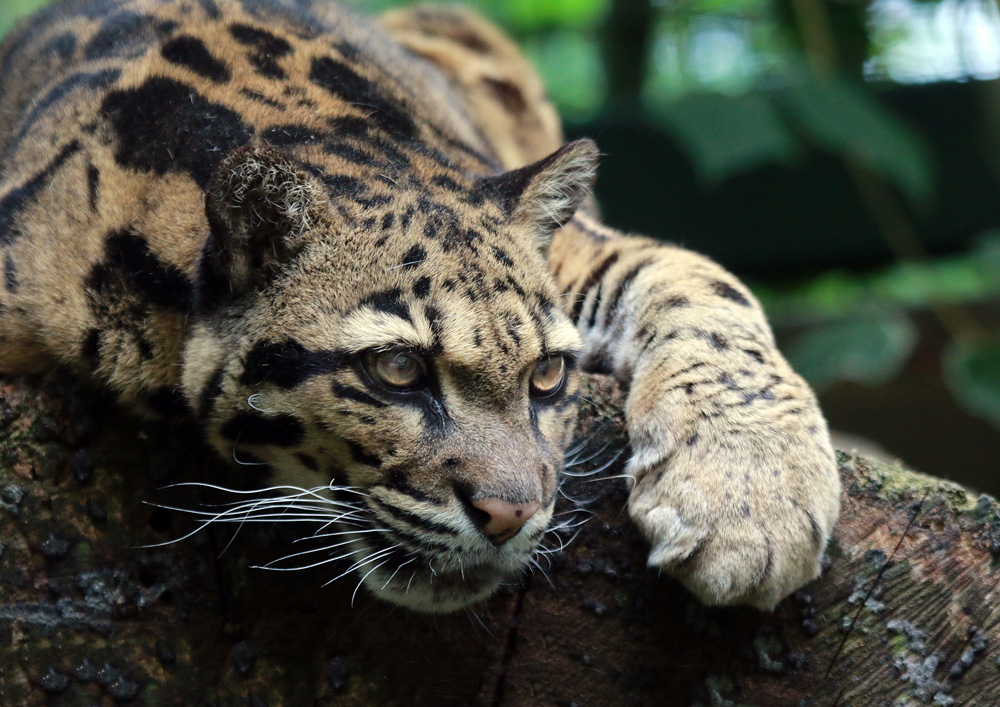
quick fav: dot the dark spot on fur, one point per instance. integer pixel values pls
(126, 34)
(373, 201)
(91, 348)
(210, 9)
(755, 355)
(592, 319)
(211, 391)
(95, 81)
(9, 273)
(718, 341)
(626, 281)
(814, 529)
(397, 480)
(359, 455)
(286, 364)
(295, 15)
(290, 136)
(17, 199)
(507, 94)
(129, 266)
(342, 185)
(593, 279)
(254, 428)
(169, 402)
(191, 53)
(349, 152)
(93, 186)
(413, 257)
(388, 220)
(350, 127)
(261, 98)
(388, 301)
(446, 182)
(62, 45)
(358, 396)
(422, 287)
(434, 318)
(259, 39)
(692, 440)
(343, 82)
(308, 461)
(502, 256)
(724, 289)
(165, 126)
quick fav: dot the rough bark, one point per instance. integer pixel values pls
(906, 612)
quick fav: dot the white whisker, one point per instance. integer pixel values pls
(363, 580)
(361, 563)
(306, 567)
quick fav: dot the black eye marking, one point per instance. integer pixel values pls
(288, 363)
(253, 428)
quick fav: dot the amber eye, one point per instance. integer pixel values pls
(547, 378)
(396, 369)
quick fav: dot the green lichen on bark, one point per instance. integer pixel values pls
(904, 614)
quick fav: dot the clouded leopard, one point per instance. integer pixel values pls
(359, 254)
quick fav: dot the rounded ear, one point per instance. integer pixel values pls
(545, 194)
(261, 205)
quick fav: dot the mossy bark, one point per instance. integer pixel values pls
(906, 612)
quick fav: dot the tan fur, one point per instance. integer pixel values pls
(226, 213)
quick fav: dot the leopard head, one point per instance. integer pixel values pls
(391, 354)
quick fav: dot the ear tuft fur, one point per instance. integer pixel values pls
(261, 205)
(547, 193)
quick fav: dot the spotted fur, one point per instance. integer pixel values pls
(222, 208)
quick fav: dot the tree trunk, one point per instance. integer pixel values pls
(906, 612)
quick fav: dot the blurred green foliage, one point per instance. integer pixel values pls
(740, 84)
(13, 10)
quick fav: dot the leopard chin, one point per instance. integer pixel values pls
(438, 584)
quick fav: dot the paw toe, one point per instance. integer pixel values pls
(673, 540)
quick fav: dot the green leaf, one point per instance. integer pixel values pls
(725, 135)
(850, 122)
(866, 349)
(973, 374)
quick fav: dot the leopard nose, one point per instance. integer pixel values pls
(503, 520)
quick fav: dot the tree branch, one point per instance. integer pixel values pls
(907, 608)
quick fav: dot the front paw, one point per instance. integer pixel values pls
(739, 514)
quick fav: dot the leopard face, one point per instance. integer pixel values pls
(427, 396)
